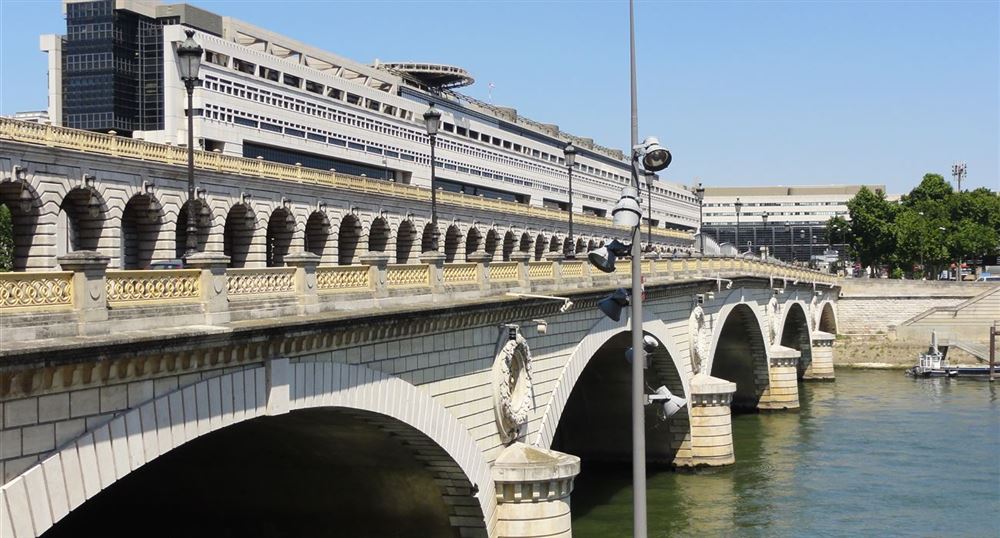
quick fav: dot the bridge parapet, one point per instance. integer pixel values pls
(82, 300)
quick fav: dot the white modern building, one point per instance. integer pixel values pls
(789, 221)
(267, 95)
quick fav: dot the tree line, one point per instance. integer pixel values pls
(925, 232)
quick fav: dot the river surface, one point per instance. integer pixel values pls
(873, 454)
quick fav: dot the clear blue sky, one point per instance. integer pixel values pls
(742, 92)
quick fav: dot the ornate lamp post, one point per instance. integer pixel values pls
(738, 205)
(699, 192)
(569, 152)
(432, 120)
(763, 220)
(189, 61)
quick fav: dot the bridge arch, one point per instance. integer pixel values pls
(317, 234)
(280, 229)
(99, 459)
(142, 219)
(23, 203)
(794, 333)
(82, 215)
(429, 237)
(203, 225)
(828, 318)
(739, 353)
(406, 237)
(670, 366)
(473, 241)
(379, 235)
(237, 235)
(509, 245)
(348, 237)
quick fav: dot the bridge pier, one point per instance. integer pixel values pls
(782, 391)
(533, 487)
(711, 423)
(821, 368)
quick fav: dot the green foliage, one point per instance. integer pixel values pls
(931, 227)
(6, 239)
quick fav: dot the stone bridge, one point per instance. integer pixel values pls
(418, 399)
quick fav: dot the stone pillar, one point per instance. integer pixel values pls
(522, 259)
(711, 421)
(821, 368)
(436, 262)
(305, 264)
(782, 390)
(377, 263)
(90, 299)
(482, 259)
(533, 487)
(556, 258)
(214, 285)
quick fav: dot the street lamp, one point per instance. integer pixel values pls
(699, 193)
(432, 120)
(189, 61)
(763, 220)
(569, 152)
(738, 205)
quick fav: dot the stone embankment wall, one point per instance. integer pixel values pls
(871, 306)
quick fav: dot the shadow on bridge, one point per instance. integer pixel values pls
(318, 472)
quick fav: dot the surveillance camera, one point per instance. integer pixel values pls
(649, 343)
(700, 298)
(710, 295)
(542, 327)
(566, 306)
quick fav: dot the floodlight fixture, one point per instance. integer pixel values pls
(628, 210)
(670, 403)
(604, 258)
(613, 304)
(652, 155)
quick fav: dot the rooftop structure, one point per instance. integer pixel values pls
(267, 95)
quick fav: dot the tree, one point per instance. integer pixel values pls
(872, 218)
(933, 189)
(6, 239)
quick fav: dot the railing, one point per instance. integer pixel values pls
(260, 281)
(36, 290)
(340, 279)
(572, 269)
(103, 144)
(540, 271)
(459, 273)
(407, 276)
(503, 272)
(126, 287)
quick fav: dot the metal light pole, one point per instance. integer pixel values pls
(189, 61)
(432, 120)
(738, 205)
(699, 192)
(569, 153)
(649, 212)
(763, 219)
(638, 375)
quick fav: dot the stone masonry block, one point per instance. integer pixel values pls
(114, 398)
(20, 412)
(38, 439)
(67, 430)
(10, 443)
(84, 402)
(53, 407)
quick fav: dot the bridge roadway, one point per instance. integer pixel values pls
(380, 398)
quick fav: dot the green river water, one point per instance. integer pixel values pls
(873, 454)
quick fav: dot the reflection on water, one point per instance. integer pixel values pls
(873, 454)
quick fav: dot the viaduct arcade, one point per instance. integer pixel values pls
(433, 395)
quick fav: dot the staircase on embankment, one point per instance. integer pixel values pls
(966, 323)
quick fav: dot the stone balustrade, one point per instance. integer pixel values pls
(218, 294)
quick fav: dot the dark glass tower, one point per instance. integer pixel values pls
(113, 69)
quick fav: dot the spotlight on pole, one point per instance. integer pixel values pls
(652, 155)
(613, 304)
(649, 345)
(604, 258)
(627, 211)
(670, 403)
